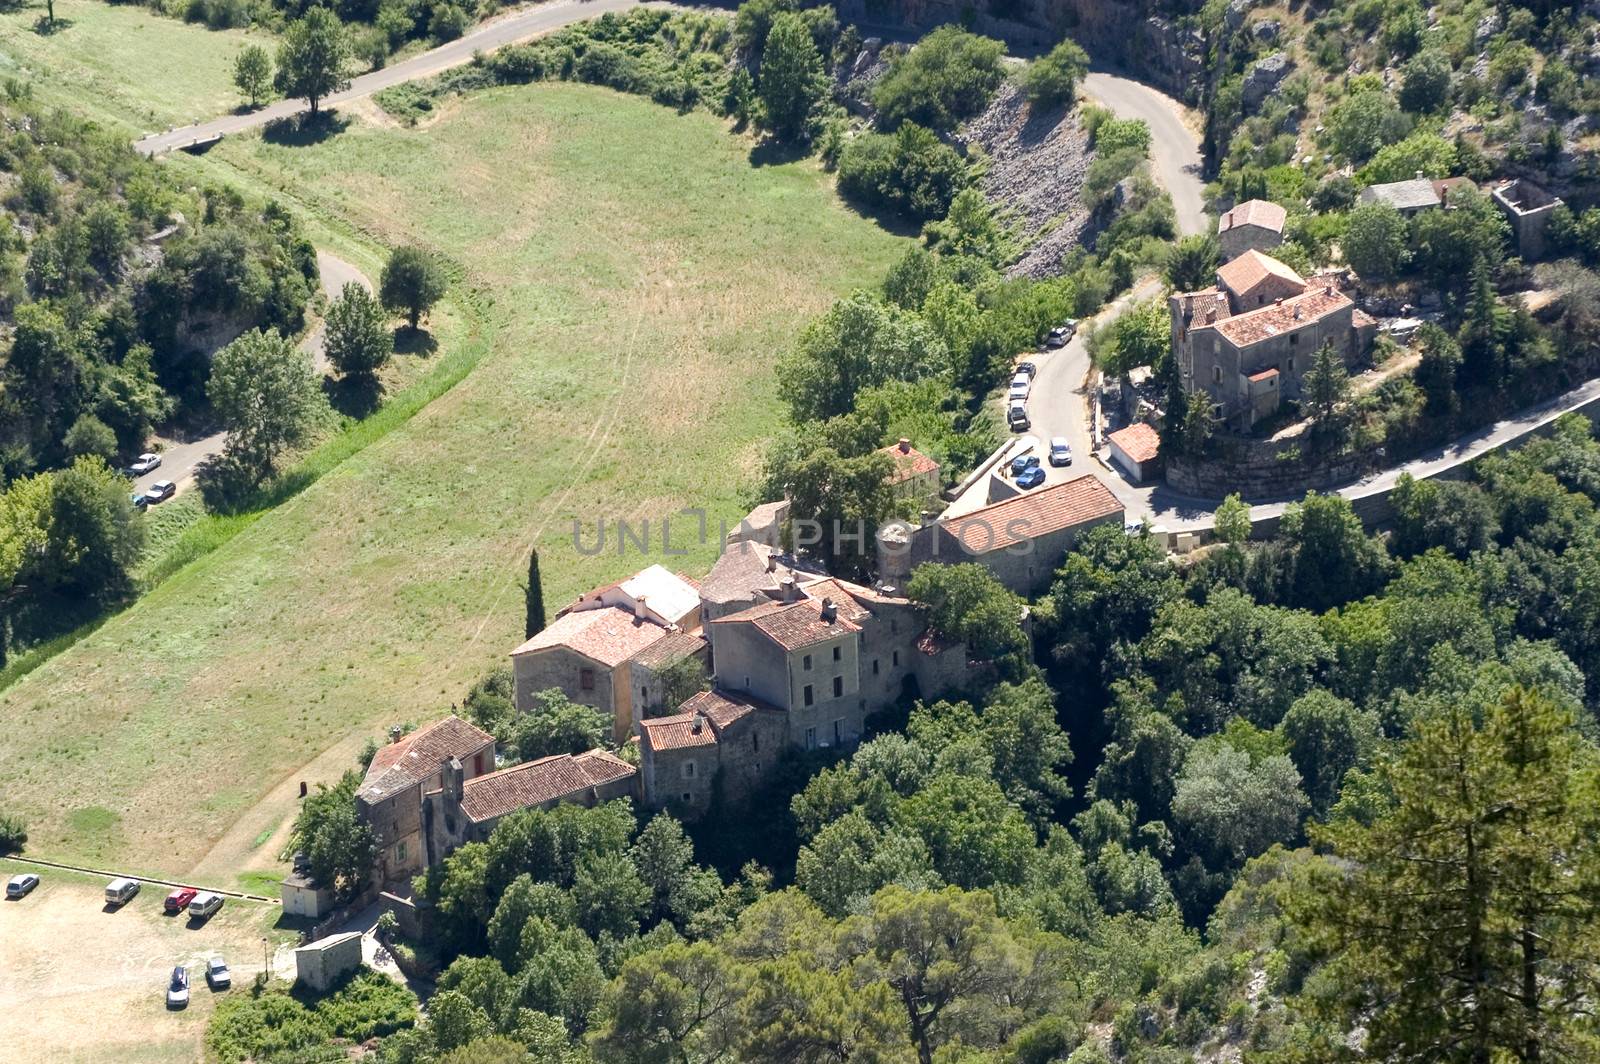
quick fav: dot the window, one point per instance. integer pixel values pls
(1294, 339)
(1216, 374)
(895, 659)
(586, 679)
(805, 663)
(400, 852)
(874, 666)
(477, 764)
(838, 686)
(755, 742)
(807, 695)
(811, 738)
(688, 798)
(688, 770)
(644, 695)
(838, 653)
(838, 731)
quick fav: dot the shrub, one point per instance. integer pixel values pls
(1052, 80)
(606, 64)
(911, 173)
(948, 77)
(447, 22)
(13, 833)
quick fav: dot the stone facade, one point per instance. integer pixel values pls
(720, 745)
(1528, 208)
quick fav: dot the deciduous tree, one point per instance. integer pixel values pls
(264, 393)
(411, 283)
(791, 81)
(358, 342)
(252, 73)
(313, 57)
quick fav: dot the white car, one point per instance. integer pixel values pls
(145, 463)
(19, 886)
(204, 905)
(1020, 385)
(1062, 334)
(178, 988)
(217, 974)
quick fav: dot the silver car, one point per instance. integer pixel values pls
(19, 886)
(178, 988)
(217, 974)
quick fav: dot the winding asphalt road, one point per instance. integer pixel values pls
(496, 33)
(181, 458)
(1174, 148)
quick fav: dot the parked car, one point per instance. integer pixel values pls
(1027, 367)
(1017, 415)
(1062, 334)
(1031, 477)
(121, 891)
(1060, 451)
(139, 501)
(1022, 463)
(179, 899)
(1020, 385)
(161, 489)
(19, 886)
(145, 463)
(203, 905)
(178, 988)
(217, 974)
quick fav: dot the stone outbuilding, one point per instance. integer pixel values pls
(1021, 540)
(1136, 450)
(321, 964)
(915, 476)
(302, 897)
(1254, 225)
(1528, 208)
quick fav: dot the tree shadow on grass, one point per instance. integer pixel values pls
(356, 396)
(770, 152)
(416, 342)
(46, 26)
(304, 130)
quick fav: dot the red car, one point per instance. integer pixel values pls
(179, 899)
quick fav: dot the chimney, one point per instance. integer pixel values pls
(1329, 290)
(454, 779)
(395, 732)
(772, 562)
(698, 724)
(1419, 175)
(638, 609)
(1297, 313)
(788, 589)
(904, 445)
(829, 610)
(1278, 302)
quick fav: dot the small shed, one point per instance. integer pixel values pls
(301, 897)
(1137, 450)
(322, 963)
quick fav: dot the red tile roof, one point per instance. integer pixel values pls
(908, 462)
(1251, 268)
(1265, 214)
(536, 782)
(1200, 309)
(842, 595)
(797, 624)
(672, 648)
(1266, 374)
(722, 708)
(677, 732)
(415, 757)
(610, 635)
(1294, 313)
(1138, 441)
(1033, 514)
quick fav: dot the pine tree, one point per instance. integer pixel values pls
(1482, 335)
(1464, 923)
(533, 597)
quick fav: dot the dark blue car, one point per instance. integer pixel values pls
(1031, 477)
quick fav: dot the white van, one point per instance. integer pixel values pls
(204, 905)
(121, 891)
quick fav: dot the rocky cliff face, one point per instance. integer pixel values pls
(1141, 36)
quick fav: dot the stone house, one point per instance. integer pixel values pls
(1254, 225)
(464, 809)
(1136, 449)
(1248, 341)
(746, 574)
(1416, 194)
(647, 668)
(763, 525)
(586, 654)
(656, 594)
(916, 476)
(723, 739)
(390, 796)
(1528, 208)
(1022, 540)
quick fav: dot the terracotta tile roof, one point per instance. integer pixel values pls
(1201, 309)
(537, 782)
(1251, 268)
(722, 708)
(609, 635)
(1262, 213)
(674, 647)
(415, 757)
(842, 594)
(793, 625)
(740, 574)
(1033, 514)
(1360, 319)
(1138, 441)
(908, 462)
(1253, 326)
(667, 594)
(677, 732)
(1264, 375)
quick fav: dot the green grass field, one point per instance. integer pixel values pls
(123, 64)
(629, 278)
